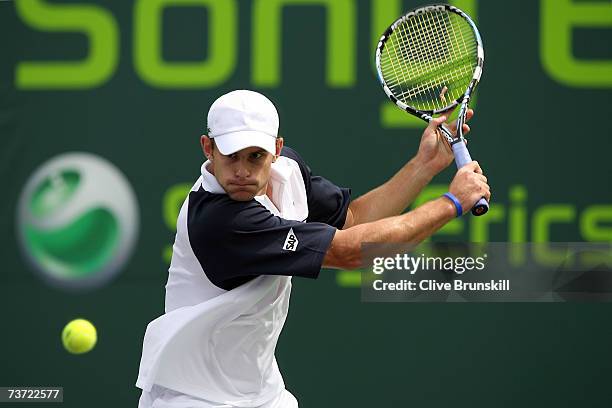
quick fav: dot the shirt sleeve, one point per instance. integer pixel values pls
(237, 241)
(327, 203)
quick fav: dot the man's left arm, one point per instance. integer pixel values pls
(395, 195)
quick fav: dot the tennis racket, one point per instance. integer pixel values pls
(428, 62)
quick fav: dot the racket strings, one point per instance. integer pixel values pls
(429, 59)
(395, 67)
(432, 41)
(427, 46)
(431, 48)
(434, 37)
(431, 86)
(464, 50)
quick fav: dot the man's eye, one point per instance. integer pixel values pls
(257, 156)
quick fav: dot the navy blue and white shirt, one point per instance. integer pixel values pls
(236, 241)
(229, 284)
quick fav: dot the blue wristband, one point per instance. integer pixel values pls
(458, 207)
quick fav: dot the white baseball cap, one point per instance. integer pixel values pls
(241, 119)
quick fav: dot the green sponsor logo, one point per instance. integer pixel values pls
(77, 220)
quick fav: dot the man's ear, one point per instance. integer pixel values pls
(279, 146)
(207, 146)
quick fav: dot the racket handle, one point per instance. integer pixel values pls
(462, 157)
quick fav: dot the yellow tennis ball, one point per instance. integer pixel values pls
(79, 336)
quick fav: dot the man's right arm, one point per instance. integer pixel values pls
(468, 186)
(412, 227)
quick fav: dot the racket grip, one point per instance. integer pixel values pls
(462, 157)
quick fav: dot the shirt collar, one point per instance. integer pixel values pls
(209, 181)
(280, 173)
(287, 183)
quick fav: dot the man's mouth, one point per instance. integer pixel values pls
(241, 185)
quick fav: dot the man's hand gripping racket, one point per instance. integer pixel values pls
(428, 62)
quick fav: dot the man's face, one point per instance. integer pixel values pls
(244, 174)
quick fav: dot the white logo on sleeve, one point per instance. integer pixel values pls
(291, 242)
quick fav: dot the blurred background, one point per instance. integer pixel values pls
(101, 107)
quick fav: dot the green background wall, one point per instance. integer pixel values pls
(542, 131)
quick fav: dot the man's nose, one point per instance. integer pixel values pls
(242, 171)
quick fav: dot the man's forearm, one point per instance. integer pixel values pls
(412, 228)
(393, 197)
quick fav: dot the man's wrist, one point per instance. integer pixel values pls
(450, 211)
(424, 168)
(456, 203)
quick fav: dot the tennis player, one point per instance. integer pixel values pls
(256, 217)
